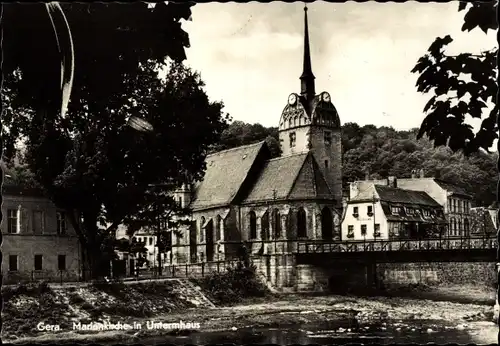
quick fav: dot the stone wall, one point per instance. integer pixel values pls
(480, 273)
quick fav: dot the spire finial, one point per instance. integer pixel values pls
(307, 77)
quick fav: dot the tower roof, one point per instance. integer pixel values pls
(307, 86)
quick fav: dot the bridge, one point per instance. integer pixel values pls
(446, 249)
(307, 263)
(464, 249)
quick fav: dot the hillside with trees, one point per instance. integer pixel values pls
(384, 151)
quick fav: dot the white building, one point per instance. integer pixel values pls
(387, 212)
(455, 200)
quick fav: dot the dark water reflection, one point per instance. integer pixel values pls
(326, 333)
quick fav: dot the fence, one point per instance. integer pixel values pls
(34, 276)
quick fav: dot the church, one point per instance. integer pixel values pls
(247, 195)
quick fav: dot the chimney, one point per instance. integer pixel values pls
(422, 173)
(392, 181)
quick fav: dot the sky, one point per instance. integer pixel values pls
(250, 55)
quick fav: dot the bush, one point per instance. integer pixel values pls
(115, 288)
(233, 285)
(33, 290)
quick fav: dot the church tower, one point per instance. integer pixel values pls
(310, 123)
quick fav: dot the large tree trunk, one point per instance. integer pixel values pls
(95, 262)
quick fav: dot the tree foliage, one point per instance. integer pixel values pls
(461, 85)
(91, 163)
(240, 133)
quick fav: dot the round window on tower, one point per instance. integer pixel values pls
(325, 97)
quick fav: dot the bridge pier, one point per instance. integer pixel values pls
(371, 275)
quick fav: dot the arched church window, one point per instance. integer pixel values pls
(264, 232)
(253, 224)
(276, 223)
(301, 223)
(326, 224)
(202, 222)
(294, 121)
(290, 122)
(300, 120)
(220, 228)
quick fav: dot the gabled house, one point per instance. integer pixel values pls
(388, 212)
(455, 200)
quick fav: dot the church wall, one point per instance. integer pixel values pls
(230, 232)
(301, 140)
(289, 211)
(331, 153)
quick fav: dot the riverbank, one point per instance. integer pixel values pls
(293, 309)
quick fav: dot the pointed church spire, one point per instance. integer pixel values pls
(307, 77)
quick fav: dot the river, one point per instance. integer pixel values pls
(339, 332)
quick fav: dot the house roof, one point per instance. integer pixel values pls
(295, 176)
(9, 189)
(226, 171)
(389, 196)
(454, 189)
(481, 221)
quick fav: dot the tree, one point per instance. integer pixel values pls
(240, 133)
(447, 76)
(100, 170)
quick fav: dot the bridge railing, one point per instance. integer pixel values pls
(465, 243)
(256, 247)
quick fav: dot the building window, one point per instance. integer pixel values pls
(292, 139)
(355, 211)
(61, 223)
(409, 211)
(61, 262)
(202, 223)
(12, 221)
(13, 264)
(150, 240)
(220, 228)
(38, 262)
(276, 223)
(38, 222)
(376, 232)
(363, 230)
(328, 138)
(253, 225)
(395, 210)
(453, 226)
(179, 202)
(369, 210)
(459, 226)
(301, 223)
(326, 164)
(350, 231)
(466, 226)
